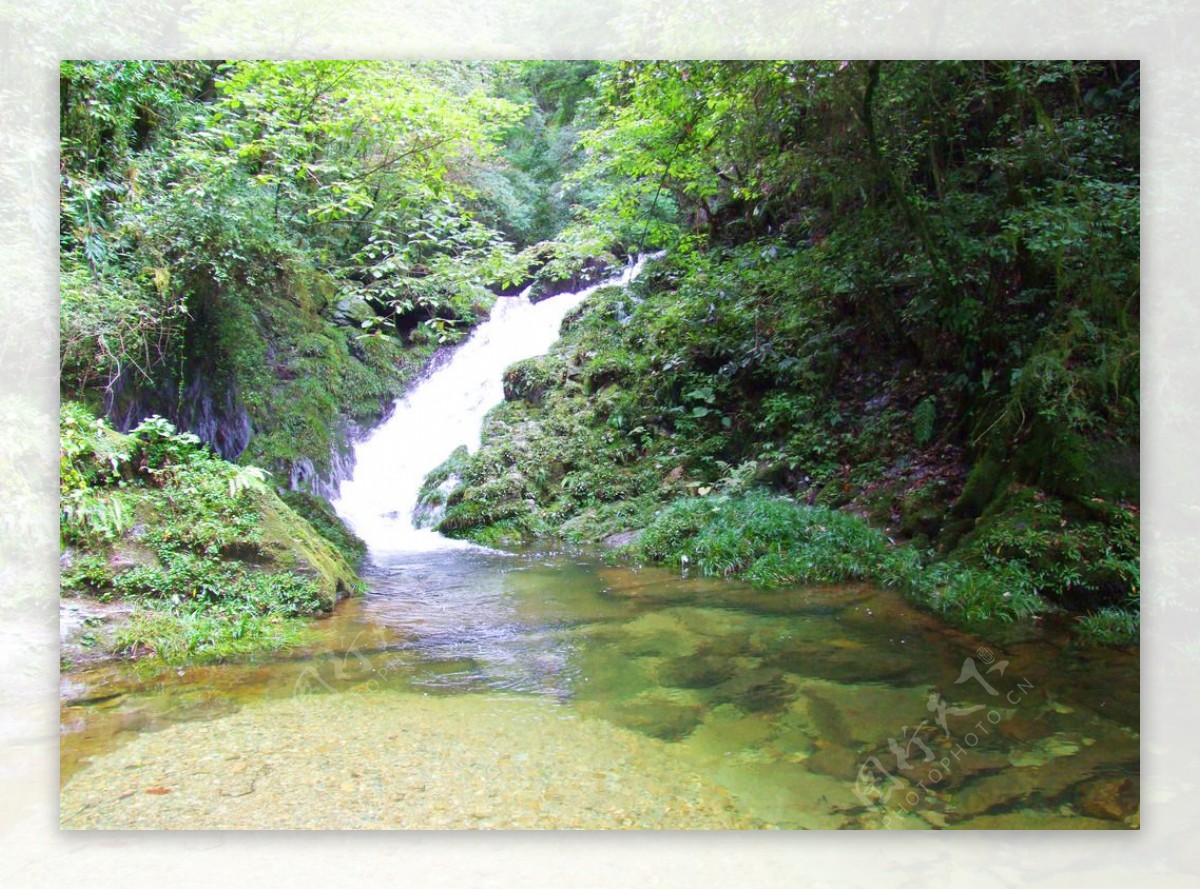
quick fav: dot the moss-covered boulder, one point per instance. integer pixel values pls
(208, 558)
(289, 543)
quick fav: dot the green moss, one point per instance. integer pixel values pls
(291, 543)
(321, 516)
(981, 486)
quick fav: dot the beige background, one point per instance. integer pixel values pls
(35, 34)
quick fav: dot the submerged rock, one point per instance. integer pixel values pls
(657, 716)
(695, 672)
(760, 690)
(844, 663)
(1041, 820)
(1109, 798)
(866, 714)
(836, 761)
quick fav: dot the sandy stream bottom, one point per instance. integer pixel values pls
(383, 760)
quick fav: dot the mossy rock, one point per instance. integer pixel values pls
(290, 543)
(530, 380)
(443, 485)
(983, 482)
(472, 511)
(321, 516)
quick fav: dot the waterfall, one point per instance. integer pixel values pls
(443, 411)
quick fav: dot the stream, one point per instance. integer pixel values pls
(472, 688)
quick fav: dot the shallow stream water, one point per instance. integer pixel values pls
(554, 691)
(476, 689)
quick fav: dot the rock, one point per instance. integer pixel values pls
(726, 729)
(1023, 728)
(1044, 750)
(836, 761)
(893, 820)
(129, 555)
(760, 690)
(1109, 798)
(1047, 782)
(826, 600)
(695, 672)
(934, 818)
(656, 716)
(864, 715)
(622, 539)
(990, 792)
(656, 634)
(793, 798)
(529, 380)
(1041, 820)
(843, 664)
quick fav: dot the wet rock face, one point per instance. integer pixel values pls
(214, 413)
(621, 539)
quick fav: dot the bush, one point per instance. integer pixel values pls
(768, 540)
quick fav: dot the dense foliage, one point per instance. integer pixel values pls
(906, 290)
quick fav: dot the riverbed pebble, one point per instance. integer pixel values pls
(395, 760)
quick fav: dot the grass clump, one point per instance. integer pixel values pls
(1111, 626)
(768, 540)
(190, 636)
(774, 542)
(971, 595)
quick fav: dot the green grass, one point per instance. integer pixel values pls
(176, 637)
(1111, 626)
(774, 542)
(768, 540)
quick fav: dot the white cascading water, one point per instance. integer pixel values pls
(442, 412)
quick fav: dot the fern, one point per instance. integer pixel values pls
(86, 514)
(247, 479)
(924, 416)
